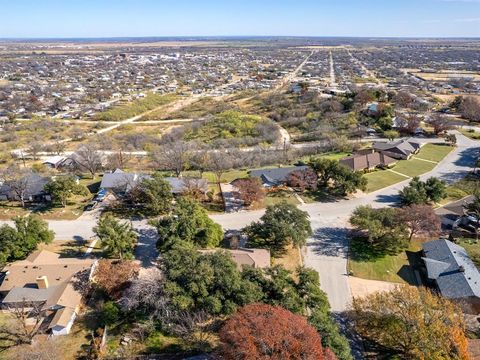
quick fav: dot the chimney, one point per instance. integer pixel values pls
(461, 268)
(42, 282)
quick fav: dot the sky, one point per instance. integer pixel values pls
(137, 18)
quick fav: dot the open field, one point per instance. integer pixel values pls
(446, 75)
(434, 152)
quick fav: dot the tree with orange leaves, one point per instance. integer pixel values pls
(259, 331)
(413, 323)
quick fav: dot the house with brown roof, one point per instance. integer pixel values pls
(257, 258)
(46, 280)
(367, 160)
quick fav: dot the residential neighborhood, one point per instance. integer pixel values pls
(239, 197)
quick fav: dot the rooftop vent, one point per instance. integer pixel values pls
(461, 268)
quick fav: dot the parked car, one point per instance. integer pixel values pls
(101, 195)
(91, 205)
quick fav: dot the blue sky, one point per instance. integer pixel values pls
(117, 18)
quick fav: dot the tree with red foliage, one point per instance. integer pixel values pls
(420, 219)
(306, 179)
(114, 277)
(250, 190)
(260, 331)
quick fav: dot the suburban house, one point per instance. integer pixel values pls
(48, 281)
(401, 149)
(449, 269)
(120, 182)
(54, 162)
(34, 193)
(367, 160)
(257, 258)
(276, 176)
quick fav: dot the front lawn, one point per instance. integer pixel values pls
(413, 167)
(434, 152)
(391, 268)
(278, 197)
(470, 133)
(382, 178)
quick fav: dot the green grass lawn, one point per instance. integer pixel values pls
(434, 152)
(280, 196)
(470, 133)
(392, 268)
(382, 178)
(413, 167)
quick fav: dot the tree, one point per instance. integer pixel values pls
(63, 187)
(473, 209)
(412, 322)
(440, 124)
(250, 190)
(18, 181)
(248, 335)
(89, 158)
(420, 192)
(420, 219)
(190, 223)
(117, 238)
(208, 282)
(18, 242)
(172, 156)
(114, 277)
(382, 228)
(303, 180)
(26, 318)
(391, 134)
(281, 225)
(470, 108)
(332, 174)
(451, 139)
(219, 163)
(154, 194)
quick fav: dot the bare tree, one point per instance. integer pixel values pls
(18, 181)
(26, 322)
(470, 108)
(219, 163)
(440, 124)
(88, 158)
(118, 160)
(146, 293)
(172, 156)
(195, 328)
(35, 148)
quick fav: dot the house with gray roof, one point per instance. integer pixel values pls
(32, 186)
(121, 182)
(401, 149)
(276, 176)
(449, 269)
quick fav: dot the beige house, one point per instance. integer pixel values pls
(47, 280)
(257, 258)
